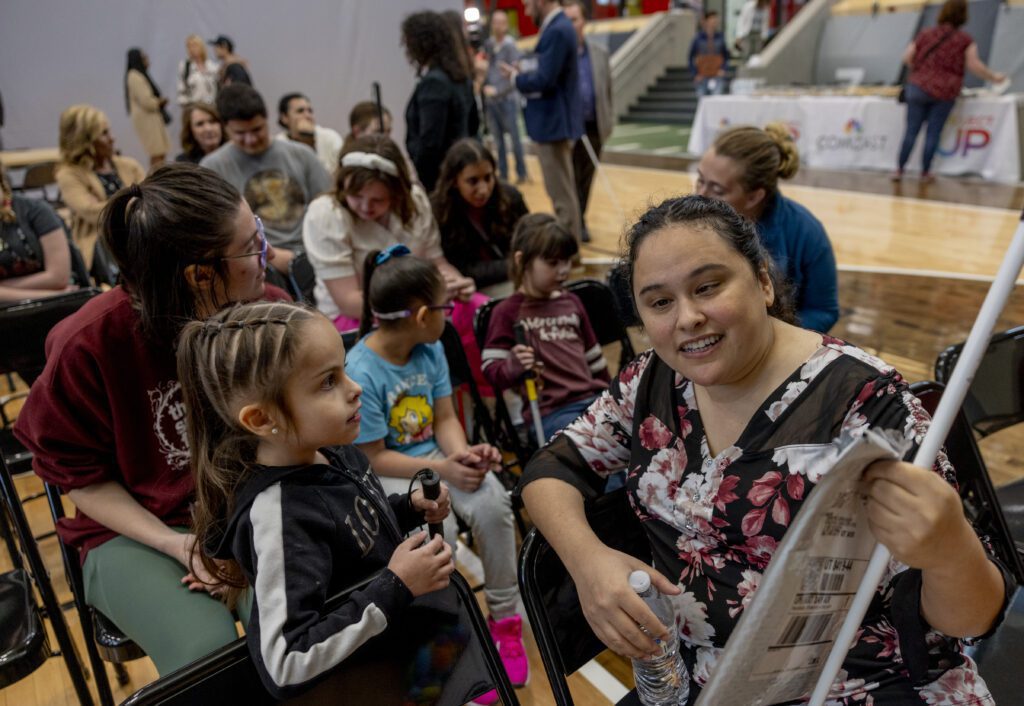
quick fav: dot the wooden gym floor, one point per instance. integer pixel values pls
(915, 263)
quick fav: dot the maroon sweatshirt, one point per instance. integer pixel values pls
(108, 406)
(560, 334)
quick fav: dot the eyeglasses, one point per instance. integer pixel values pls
(262, 252)
(446, 308)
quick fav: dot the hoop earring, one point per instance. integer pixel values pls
(274, 430)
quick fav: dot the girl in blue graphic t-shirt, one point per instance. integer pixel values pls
(409, 423)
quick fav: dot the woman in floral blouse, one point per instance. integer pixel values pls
(724, 428)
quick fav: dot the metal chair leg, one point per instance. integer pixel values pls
(42, 580)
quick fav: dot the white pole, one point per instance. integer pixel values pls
(604, 179)
(952, 398)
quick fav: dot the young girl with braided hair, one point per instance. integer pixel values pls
(284, 503)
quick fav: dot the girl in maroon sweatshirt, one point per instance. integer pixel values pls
(105, 421)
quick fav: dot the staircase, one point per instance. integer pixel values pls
(671, 100)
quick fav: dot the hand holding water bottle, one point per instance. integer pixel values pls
(661, 679)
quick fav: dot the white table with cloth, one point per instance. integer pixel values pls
(982, 135)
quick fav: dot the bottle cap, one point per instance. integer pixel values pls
(640, 581)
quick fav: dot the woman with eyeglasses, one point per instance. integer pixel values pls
(106, 423)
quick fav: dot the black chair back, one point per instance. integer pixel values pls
(625, 307)
(39, 177)
(301, 278)
(461, 374)
(440, 645)
(79, 272)
(599, 303)
(25, 325)
(104, 268)
(564, 637)
(981, 503)
(995, 399)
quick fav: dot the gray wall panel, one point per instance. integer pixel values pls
(872, 43)
(54, 53)
(1007, 54)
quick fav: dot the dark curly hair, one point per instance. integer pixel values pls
(449, 205)
(430, 42)
(720, 218)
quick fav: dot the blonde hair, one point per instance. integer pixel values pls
(243, 354)
(765, 155)
(404, 406)
(80, 126)
(202, 45)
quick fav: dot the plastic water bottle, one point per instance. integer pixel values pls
(661, 680)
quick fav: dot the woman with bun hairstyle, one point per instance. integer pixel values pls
(743, 168)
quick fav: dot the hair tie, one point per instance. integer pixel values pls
(370, 160)
(397, 250)
(135, 191)
(391, 315)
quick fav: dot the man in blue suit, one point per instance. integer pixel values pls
(553, 112)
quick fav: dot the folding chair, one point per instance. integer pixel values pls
(104, 268)
(622, 296)
(442, 640)
(483, 426)
(38, 178)
(24, 326)
(103, 639)
(980, 498)
(23, 642)
(599, 303)
(995, 401)
(301, 278)
(999, 657)
(564, 637)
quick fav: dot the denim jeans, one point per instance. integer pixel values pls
(922, 108)
(502, 118)
(558, 419)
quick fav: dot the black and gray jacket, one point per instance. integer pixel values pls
(302, 534)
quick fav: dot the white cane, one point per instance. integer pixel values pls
(604, 179)
(952, 398)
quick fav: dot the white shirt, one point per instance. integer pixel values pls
(328, 146)
(337, 242)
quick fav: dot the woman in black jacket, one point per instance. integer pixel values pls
(441, 107)
(476, 213)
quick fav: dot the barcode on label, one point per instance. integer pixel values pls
(831, 581)
(803, 629)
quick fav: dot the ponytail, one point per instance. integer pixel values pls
(395, 281)
(369, 267)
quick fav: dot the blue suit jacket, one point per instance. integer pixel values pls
(556, 113)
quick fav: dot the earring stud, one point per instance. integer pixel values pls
(274, 430)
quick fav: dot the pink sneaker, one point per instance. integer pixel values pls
(486, 699)
(508, 637)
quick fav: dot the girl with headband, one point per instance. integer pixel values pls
(374, 205)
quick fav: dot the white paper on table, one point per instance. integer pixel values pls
(781, 642)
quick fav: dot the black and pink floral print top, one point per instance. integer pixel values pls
(714, 521)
